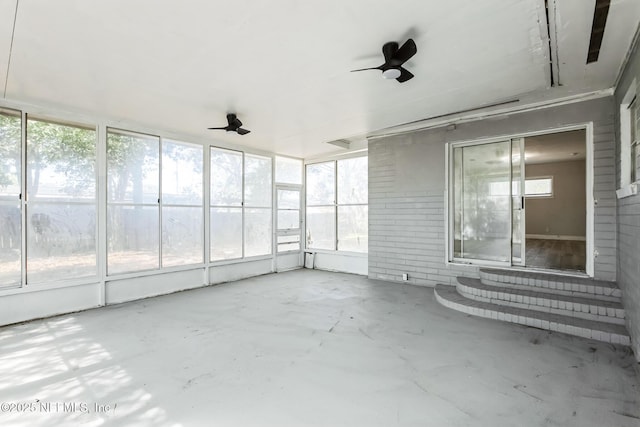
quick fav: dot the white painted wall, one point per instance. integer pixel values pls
(345, 262)
(134, 288)
(240, 270)
(26, 304)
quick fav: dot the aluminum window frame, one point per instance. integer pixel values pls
(335, 205)
(243, 207)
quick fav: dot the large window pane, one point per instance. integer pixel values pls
(182, 236)
(181, 174)
(226, 177)
(10, 244)
(321, 184)
(321, 227)
(257, 232)
(226, 233)
(353, 228)
(353, 181)
(288, 199)
(133, 238)
(61, 161)
(257, 181)
(482, 226)
(10, 140)
(61, 241)
(132, 168)
(288, 171)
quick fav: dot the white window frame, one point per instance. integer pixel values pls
(541, 195)
(335, 205)
(627, 187)
(243, 206)
(164, 204)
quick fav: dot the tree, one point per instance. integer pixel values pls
(10, 137)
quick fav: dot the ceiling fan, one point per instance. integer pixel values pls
(394, 57)
(235, 125)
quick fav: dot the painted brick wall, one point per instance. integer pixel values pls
(407, 192)
(629, 222)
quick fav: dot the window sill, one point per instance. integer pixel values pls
(627, 190)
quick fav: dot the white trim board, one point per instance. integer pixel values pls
(556, 237)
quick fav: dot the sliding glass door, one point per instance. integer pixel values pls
(486, 203)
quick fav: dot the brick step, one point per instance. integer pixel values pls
(552, 283)
(584, 306)
(601, 331)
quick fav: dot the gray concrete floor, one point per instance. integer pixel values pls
(307, 348)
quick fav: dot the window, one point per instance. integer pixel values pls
(60, 201)
(538, 187)
(182, 204)
(10, 195)
(288, 208)
(288, 171)
(133, 197)
(257, 205)
(634, 148)
(337, 210)
(240, 210)
(533, 187)
(629, 143)
(321, 206)
(353, 213)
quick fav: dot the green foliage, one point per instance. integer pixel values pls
(68, 151)
(9, 150)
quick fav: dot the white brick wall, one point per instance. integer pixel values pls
(407, 201)
(629, 223)
(629, 264)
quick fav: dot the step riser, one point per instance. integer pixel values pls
(614, 295)
(551, 283)
(540, 304)
(613, 338)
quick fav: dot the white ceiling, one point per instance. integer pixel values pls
(283, 65)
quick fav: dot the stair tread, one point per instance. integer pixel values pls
(449, 293)
(582, 299)
(551, 277)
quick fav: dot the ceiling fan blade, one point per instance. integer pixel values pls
(388, 50)
(365, 69)
(236, 123)
(224, 128)
(243, 131)
(406, 51)
(404, 75)
(230, 118)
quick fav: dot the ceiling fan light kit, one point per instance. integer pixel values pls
(391, 73)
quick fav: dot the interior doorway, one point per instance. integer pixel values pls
(555, 198)
(520, 201)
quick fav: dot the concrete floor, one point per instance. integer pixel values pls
(307, 348)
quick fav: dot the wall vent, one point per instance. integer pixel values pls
(342, 143)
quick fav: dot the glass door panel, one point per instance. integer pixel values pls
(288, 219)
(482, 202)
(517, 202)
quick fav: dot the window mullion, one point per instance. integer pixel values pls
(23, 198)
(160, 201)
